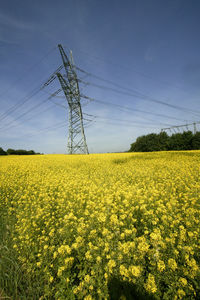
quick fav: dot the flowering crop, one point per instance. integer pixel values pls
(79, 221)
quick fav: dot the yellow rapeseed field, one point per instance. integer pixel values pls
(79, 224)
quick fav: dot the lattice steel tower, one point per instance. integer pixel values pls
(70, 87)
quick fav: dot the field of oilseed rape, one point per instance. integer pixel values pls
(102, 226)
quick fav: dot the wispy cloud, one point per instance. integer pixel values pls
(9, 21)
(4, 42)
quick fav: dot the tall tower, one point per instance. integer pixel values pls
(69, 83)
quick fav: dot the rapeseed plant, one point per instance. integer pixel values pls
(76, 222)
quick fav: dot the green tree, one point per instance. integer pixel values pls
(10, 151)
(151, 142)
(2, 152)
(163, 142)
(196, 141)
(187, 140)
(139, 145)
(31, 152)
(181, 141)
(20, 152)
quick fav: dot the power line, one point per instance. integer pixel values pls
(181, 126)
(125, 125)
(53, 76)
(123, 108)
(123, 93)
(63, 124)
(137, 110)
(46, 129)
(38, 113)
(23, 114)
(55, 95)
(129, 121)
(71, 87)
(19, 104)
(133, 70)
(139, 94)
(28, 70)
(24, 100)
(119, 106)
(58, 104)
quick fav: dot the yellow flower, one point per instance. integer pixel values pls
(98, 258)
(60, 270)
(135, 270)
(69, 261)
(161, 266)
(150, 285)
(172, 264)
(88, 255)
(64, 249)
(180, 293)
(143, 246)
(111, 264)
(183, 281)
(38, 263)
(87, 278)
(67, 280)
(88, 297)
(123, 271)
(91, 287)
(79, 214)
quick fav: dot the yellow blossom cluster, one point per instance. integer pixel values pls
(78, 222)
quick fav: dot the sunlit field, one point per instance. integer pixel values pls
(103, 226)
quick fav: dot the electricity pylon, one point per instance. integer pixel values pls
(182, 126)
(70, 87)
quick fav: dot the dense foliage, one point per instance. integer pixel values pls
(2, 152)
(90, 227)
(162, 142)
(17, 152)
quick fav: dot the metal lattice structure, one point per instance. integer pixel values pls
(69, 84)
(179, 127)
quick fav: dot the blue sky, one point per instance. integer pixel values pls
(148, 47)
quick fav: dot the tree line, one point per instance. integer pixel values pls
(163, 142)
(17, 152)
